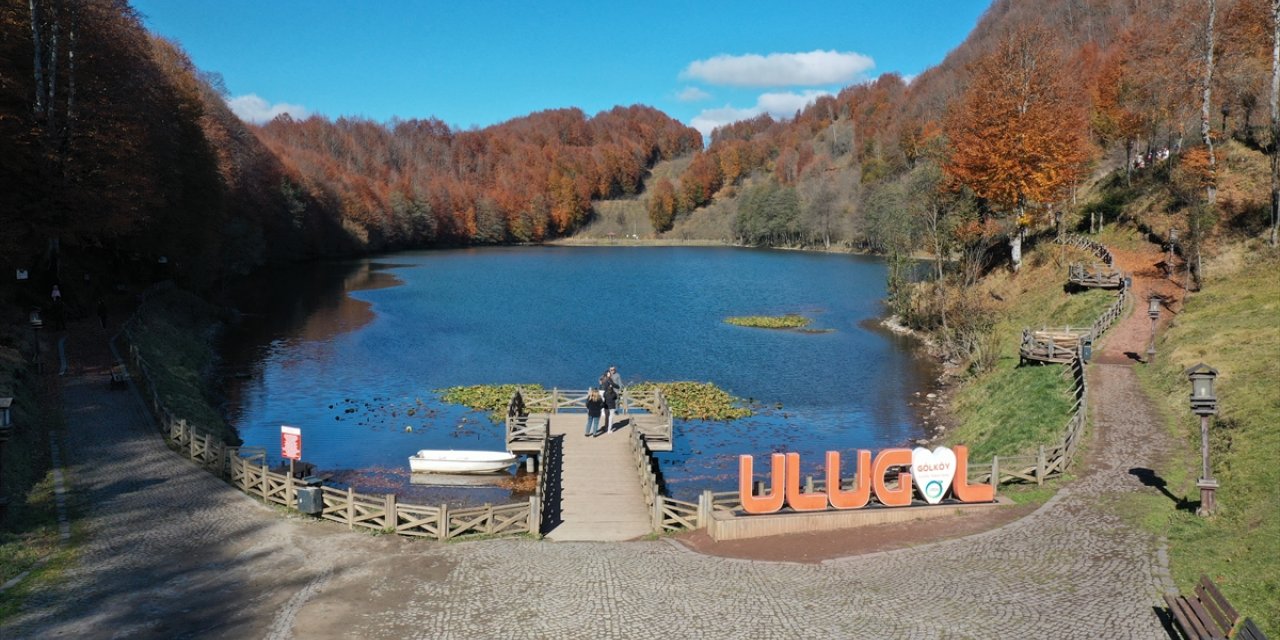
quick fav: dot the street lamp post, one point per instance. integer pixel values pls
(6, 427)
(1153, 312)
(1204, 404)
(1173, 239)
(37, 323)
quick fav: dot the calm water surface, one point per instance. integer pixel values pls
(353, 352)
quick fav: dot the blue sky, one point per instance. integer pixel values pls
(479, 63)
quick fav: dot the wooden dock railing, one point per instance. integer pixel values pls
(647, 412)
(245, 468)
(1095, 276)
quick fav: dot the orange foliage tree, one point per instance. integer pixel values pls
(1017, 133)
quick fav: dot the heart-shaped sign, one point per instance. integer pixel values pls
(933, 472)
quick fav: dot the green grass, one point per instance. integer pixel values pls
(29, 534)
(1010, 409)
(789, 321)
(175, 331)
(1234, 326)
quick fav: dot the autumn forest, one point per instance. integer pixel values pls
(113, 140)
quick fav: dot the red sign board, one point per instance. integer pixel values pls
(290, 443)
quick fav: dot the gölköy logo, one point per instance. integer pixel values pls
(933, 471)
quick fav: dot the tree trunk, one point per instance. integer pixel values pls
(1275, 119)
(1212, 191)
(71, 82)
(1128, 166)
(38, 67)
(1015, 249)
(53, 74)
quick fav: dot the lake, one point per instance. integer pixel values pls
(353, 352)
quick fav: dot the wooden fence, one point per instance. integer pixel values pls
(648, 412)
(245, 468)
(1090, 245)
(1047, 463)
(1094, 276)
(1059, 346)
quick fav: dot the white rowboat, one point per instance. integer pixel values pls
(450, 461)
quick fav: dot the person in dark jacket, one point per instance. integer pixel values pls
(610, 406)
(595, 406)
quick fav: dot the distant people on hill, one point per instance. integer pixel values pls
(595, 406)
(56, 294)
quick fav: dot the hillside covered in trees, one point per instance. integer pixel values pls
(996, 140)
(111, 141)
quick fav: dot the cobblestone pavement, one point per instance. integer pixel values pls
(172, 552)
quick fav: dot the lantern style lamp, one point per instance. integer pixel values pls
(1173, 240)
(6, 426)
(1153, 312)
(37, 323)
(1204, 404)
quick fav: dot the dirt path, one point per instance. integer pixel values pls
(170, 552)
(1128, 340)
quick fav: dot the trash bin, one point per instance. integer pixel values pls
(311, 496)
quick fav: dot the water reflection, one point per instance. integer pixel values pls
(353, 351)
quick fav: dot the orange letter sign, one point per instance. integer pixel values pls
(816, 501)
(769, 502)
(960, 486)
(857, 498)
(901, 496)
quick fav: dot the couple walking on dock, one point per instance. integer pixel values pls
(603, 401)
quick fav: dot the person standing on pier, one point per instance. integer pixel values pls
(610, 404)
(595, 405)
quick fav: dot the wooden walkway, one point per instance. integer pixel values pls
(601, 498)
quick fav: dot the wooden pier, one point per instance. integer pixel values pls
(601, 496)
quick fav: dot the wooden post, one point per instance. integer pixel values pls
(351, 508)
(535, 515)
(995, 474)
(705, 509)
(555, 400)
(657, 514)
(289, 502)
(390, 519)
(1040, 466)
(488, 518)
(263, 484)
(442, 530)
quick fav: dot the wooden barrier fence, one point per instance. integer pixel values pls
(245, 468)
(1048, 462)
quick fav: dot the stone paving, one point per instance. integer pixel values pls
(172, 552)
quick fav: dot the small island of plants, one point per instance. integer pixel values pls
(789, 321)
(688, 400)
(697, 400)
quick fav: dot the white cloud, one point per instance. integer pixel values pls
(779, 105)
(780, 69)
(692, 94)
(252, 108)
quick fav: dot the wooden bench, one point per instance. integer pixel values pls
(119, 377)
(1208, 615)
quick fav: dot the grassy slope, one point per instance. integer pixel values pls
(1233, 325)
(29, 535)
(175, 331)
(1009, 409)
(630, 215)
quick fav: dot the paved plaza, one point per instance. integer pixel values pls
(171, 552)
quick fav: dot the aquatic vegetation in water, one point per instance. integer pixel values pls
(492, 398)
(697, 400)
(789, 321)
